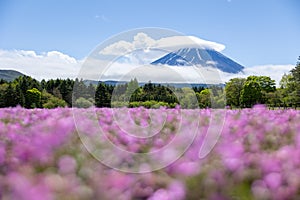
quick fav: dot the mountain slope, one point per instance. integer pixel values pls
(9, 75)
(200, 57)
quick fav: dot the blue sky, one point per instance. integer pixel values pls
(255, 32)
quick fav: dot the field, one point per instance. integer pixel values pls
(69, 153)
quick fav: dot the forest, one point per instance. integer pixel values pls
(28, 92)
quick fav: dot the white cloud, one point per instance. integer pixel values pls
(52, 64)
(162, 73)
(55, 64)
(143, 41)
(102, 17)
(177, 42)
(118, 48)
(274, 71)
(58, 56)
(188, 74)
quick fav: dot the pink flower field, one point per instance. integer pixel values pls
(44, 154)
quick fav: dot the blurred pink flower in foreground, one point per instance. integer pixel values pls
(42, 156)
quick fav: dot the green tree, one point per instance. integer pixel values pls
(20, 97)
(54, 102)
(251, 94)
(83, 103)
(233, 90)
(3, 88)
(50, 101)
(296, 71)
(275, 98)
(189, 99)
(133, 85)
(56, 93)
(66, 90)
(102, 96)
(290, 86)
(79, 89)
(266, 85)
(10, 96)
(204, 98)
(91, 89)
(26, 83)
(287, 86)
(33, 98)
(285, 81)
(218, 98)
(296, 78)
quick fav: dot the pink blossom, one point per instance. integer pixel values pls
(67, 164)
(273, 180)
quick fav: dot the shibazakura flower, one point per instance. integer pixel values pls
(42, 156)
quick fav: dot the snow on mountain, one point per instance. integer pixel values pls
(200, 58)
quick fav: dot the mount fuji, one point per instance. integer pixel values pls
(200, 58)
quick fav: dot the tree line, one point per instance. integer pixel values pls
(30, 93)
(245, 92)
(27, 92)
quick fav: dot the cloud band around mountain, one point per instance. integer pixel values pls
(143, 41)
(55, 64)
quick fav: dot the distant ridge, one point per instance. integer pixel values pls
(9, 75)
(176, 85)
